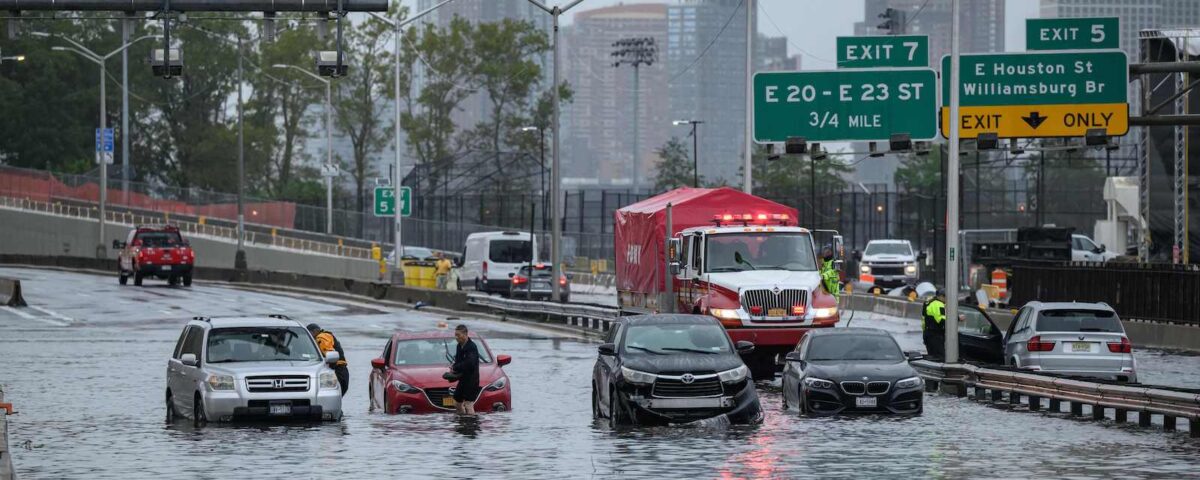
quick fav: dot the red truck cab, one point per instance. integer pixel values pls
(155, 251)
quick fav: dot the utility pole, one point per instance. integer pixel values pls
(125, 24)
(747, 160)
(952, 180)
(329, 171)
(239, 259)
(635, 52)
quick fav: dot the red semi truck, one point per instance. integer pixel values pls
(728, 254)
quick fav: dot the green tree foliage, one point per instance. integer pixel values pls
(278, 109)
(783, 175)
(674, 167)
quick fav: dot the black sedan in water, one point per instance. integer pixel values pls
(837, 370)
(663, 369)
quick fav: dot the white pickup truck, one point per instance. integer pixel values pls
(891, 263)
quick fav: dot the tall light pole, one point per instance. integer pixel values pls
(15, 58)
(330, 168)
(101, 249)
(695, 150)
(747, 164)
(952, 196)
(239, 257)
(397, 269)
(125, 25)
(542, 163)
(635, 52)
(556, 164)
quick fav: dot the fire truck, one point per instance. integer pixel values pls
(721, 252)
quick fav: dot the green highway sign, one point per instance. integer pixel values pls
(385, 201)
(883, 51)
(1072, 33)
(845, 105)
(1040, 94)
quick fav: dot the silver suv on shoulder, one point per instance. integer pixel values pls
(224, 369)
(1076, 339)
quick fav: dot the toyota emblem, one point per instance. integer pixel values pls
(687, 378)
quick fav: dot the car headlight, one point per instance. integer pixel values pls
(910, 382)
(499, 384)
(910, 269)
(220, 382)
(824, 312)
(404, 387)
(328, 381)
(818, 383)
(725, 313)
(734, 376)
(864, 269)
(638, 378)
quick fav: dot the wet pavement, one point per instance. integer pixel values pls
(87, 375)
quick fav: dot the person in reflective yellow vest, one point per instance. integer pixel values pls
(933, 325)
(829, 276)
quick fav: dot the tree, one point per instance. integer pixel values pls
(674, 167)
(278, 106)
(791, 176)
(921, 173)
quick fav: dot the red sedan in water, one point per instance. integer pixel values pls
(408, 377)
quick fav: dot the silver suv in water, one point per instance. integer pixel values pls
(251, 367)
(1076, 339)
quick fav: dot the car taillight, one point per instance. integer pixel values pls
(517, 280)
(1036, 344)
(562, 280)
(797, 310)
(1123, 347)
(485, 268)
(756, 310)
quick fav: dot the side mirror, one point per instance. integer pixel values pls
(378, 363)
(673, 247)
(793, 357)
(511, 275)
(186, 242)
(333, 357)
(189, 359)
(744, 347)
(674, 268)
(117, 244)
(503, 360)
(607, 349)
(1102, 249)
(913, 355)
(737, 257)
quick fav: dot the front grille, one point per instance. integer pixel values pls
(768, 299)
(280, 383)
(675, 388)
(878, 388)
(436, 395)
(854, 388)
(298, 402)
(887, 270)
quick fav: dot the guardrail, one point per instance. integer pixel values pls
(994, 385)
(273, 239)
(589, 317)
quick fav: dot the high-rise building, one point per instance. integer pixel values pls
(706, 64)
(598, 123)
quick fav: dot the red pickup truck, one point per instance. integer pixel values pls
(155, 251)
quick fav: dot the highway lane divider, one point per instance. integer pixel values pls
(590, 318)
(10, 293)
(1049, 392)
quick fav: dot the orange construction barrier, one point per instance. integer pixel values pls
(1000, 281)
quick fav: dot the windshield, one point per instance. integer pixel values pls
(509, 251)
(669, 339)
(888, 248)
(854, 347)
(261, 344)
(1079, 321)
(431, 351)
(159, 239)
(760, 251)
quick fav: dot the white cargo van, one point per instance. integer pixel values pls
(492, 258)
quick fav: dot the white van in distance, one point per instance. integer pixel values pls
(491, 259)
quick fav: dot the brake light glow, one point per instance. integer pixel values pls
(797, 310)
(517, 280)
(762, 217)
(562, 280)
(1122, 347)
(756, 310)
(485, 268)
(1036, 344)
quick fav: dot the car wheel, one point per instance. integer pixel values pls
(137, 279)
(173, 280)
(199, 417)
(187, 280)
(171, 413)
(803, 403)
(387, 407)
(616, 415)
(595, 402)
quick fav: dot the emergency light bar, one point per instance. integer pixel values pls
(747, 218)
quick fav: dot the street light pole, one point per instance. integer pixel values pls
(239, 258)
(125, 113)
(636, 52)
(542, 163)
(952, 195)
(747, 165)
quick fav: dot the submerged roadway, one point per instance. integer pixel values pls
(85, 363)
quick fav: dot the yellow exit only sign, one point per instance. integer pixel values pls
(1027, 121)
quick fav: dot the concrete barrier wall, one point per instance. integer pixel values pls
(41, 234)
(10, 292)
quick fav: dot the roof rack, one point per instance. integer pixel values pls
(279, 316)
(199, 318)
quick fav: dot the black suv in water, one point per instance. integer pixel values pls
(661, 369)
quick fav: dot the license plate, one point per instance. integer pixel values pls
(281, 409)
(448, 401)
(865, 402)
(777, 312)
(166, 267)
(1081, 347)
(541, 285)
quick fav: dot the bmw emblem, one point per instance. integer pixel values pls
(687, 378)
(864, 379)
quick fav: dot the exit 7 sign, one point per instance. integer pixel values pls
(883, 51)
(385, 201)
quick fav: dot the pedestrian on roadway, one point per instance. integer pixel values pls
(328, 343)
(829, 275)
(933, 325)
(466, 368)
(442, 271)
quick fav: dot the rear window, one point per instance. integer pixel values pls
(509, 251)
(538, 272)
(159, 239)
(1078, 321)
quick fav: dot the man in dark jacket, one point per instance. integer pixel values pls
(466, 367)
(933, 327)
(326, 342)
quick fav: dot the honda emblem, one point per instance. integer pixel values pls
(278, 383)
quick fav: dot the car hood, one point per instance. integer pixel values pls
(888, 258)
(430, 376)
(840, 371)
(752, 279)
(266, 368)
(680, 363)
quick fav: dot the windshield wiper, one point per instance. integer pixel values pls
(726, 269)
(644, 349)
(690, 350)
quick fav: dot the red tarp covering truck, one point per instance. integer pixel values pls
(741, 259)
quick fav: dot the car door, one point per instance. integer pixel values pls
(978, 337)
(791, 375)
(190, 376)
(125, 256)
(1016, 332)
(174, 370)
(602, 373)
(379, 378)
